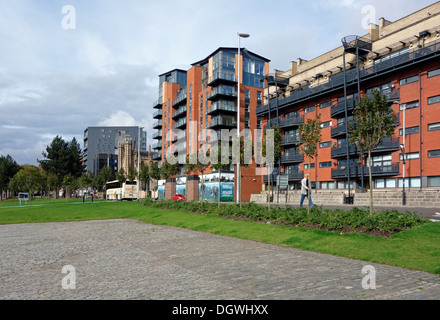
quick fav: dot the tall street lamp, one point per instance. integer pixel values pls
(240, 35)
(139, 160)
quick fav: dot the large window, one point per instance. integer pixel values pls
(253, 73)
(433, 181)
(384, 89)
(381, 161)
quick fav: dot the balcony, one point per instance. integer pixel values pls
(181, 123)
(157, 124)
(157, 104)
(220, 122)
(222, 107)
(339, 109)
(293, 176)
(339, 130)
(341, 151)
(157, 146)
(292, 158)
(157, 114)
(179, 113)
(220, 77)
(287, 140)
(355, 43)
(388, 145)
(180, 100)
(157, 135)
(221, 93)
(291, 122)
(355, 171)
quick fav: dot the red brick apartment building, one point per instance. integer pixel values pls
(206, 97)
(402, 60)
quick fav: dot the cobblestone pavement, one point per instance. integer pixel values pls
(128, 260)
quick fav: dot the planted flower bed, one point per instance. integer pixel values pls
(383, 223)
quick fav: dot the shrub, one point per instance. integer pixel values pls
(331, 220)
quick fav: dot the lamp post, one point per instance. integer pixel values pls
(240, 35)
(402, 149)
(139, 160)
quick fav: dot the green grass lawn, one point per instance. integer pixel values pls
(417, 248)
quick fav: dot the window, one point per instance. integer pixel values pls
(259, 98)
(309, 109)
(434, 126)
(409, 105)
(433, 100)
(434, 73)
(327, 164)
(411, 130)
(409, 182)
(409, 80)
(326, 124)
(326, 104)
(381, 161)
(326, 144)
(434, 154)
(331, 185)
(293, 114)
(384, 89)
(410, 156)
(385, 183)
(312, 166)
(433, 181)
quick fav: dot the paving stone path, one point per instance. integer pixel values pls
(128, 260)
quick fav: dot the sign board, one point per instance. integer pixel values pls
(283, 181)
(23, 196)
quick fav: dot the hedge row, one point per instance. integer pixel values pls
(389, 221)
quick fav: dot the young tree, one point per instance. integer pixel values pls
(373, 121)
(105, 175)
(154, 171)
(131, 175)
(51, 183)
(222, 163)
(275, 144)
(310, 136)
(144, 176)
(67, 185)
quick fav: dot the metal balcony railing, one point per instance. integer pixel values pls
(292, 158)
(337, 81)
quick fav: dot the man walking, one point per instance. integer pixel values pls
(305, 190)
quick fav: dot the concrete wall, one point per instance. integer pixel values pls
(414, 198)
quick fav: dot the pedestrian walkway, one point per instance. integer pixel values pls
(126, 259)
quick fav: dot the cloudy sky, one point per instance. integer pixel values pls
(97, 61)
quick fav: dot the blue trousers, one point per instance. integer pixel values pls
(304, 196)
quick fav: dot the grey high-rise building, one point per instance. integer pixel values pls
(100, 142)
